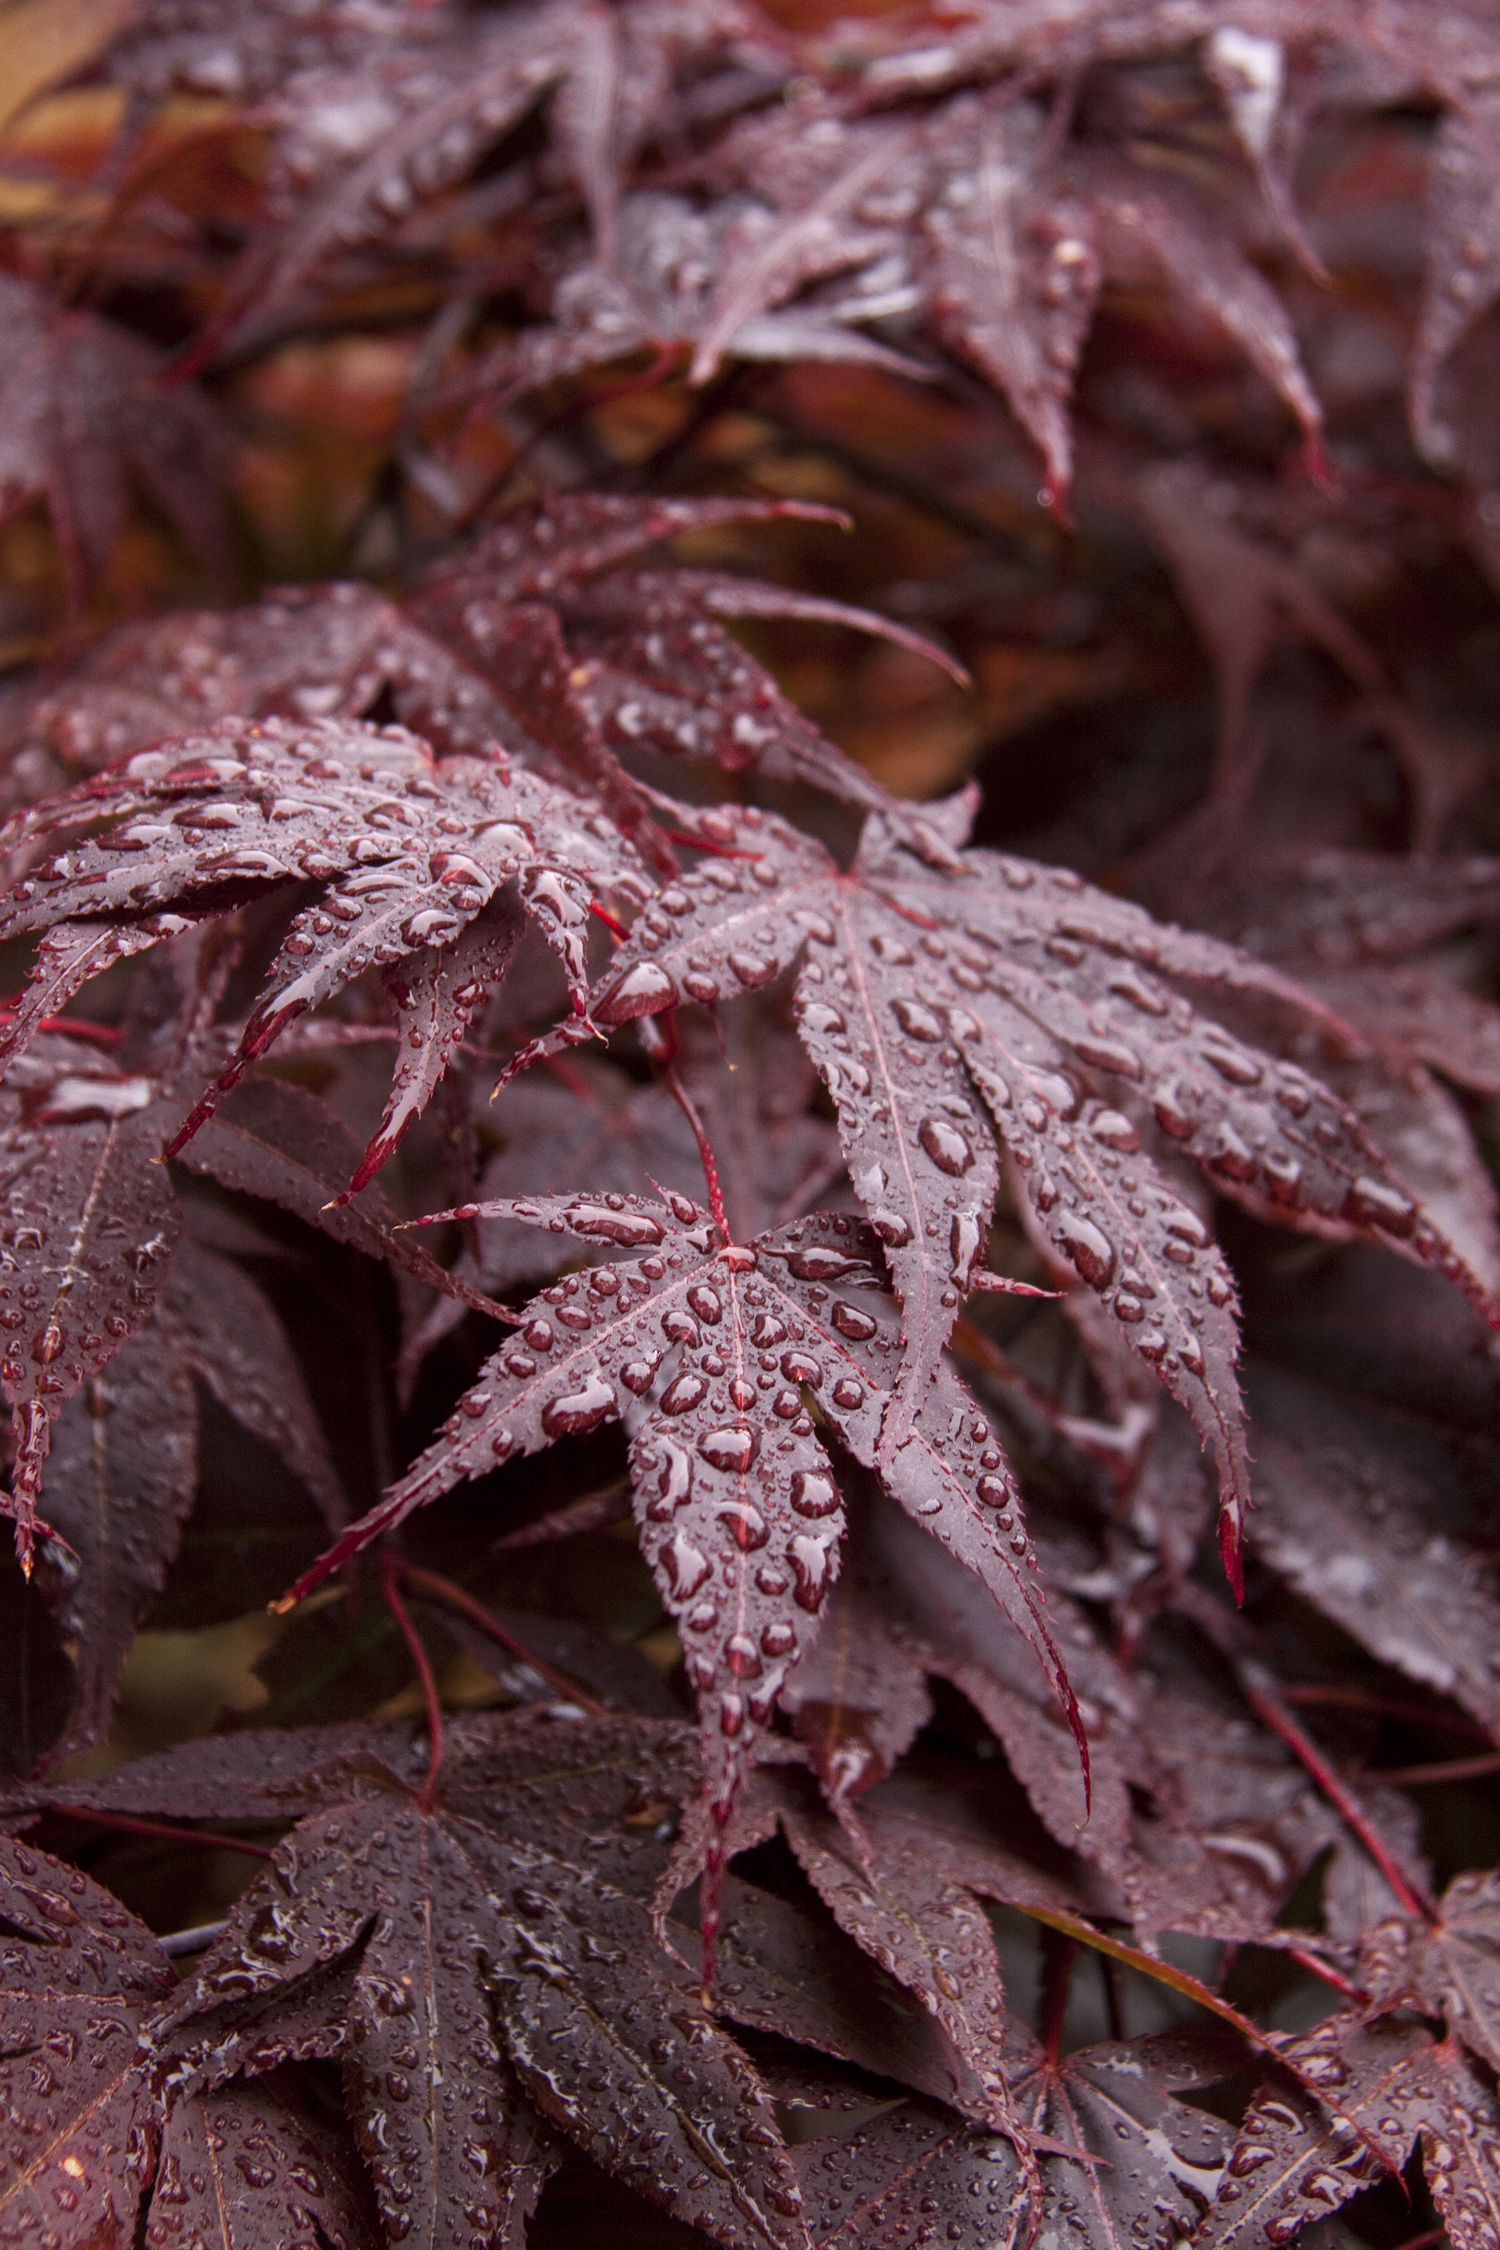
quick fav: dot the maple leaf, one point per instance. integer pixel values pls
(426, 867)
(79, 414)
(657, 292)
(90, 2150)
(301, 652)
(602, 661)
(89, 1226)
(1010, 1004)
(357, 145)
(470, 1954)
(1230, 1825)
(1294, 2163)
(123, 1468)
(706, 1349)
(583, 1124)
(1366, 1518)
(971, 214)
(1146, 2163)
(1447, 1967)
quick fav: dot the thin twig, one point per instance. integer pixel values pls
(1261, 1693)
(684, 1101)
(135, 1827)
(391, 1572)
(1452, 1769)
(445, 1590)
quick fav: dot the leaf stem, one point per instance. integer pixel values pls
(685, 1103)
(1452, 1769)
(1058, 1956)
(134, 1827)
(1261, 1693)
(391, 1572)
(441, 1589)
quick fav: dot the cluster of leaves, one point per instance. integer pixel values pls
(760, 1743)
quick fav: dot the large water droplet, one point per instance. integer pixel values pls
(642, 991)
(731, 1449)
(1372, 1203)
(686, 1566)
(917, 1021)
(706, 1303)
(579, 1411)
(814, 1493)
(683, 1393)
(811, 1560)
(851, 1321)
(820, 1020)
(745, 1525)
(628, 1228)
(752, 968)
(742, 1656)
(946, 1145)
(1091, 1251)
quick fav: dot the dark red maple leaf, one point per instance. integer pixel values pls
(1059, 1008)
(80, 414)
(90, 2150)
(1147, 2162)
(89, 1228)
(477, 1957)
(122, 1472)
(427, 868)
(1293, 2163)
(600, 661)
(361, 139)
(706, 1350)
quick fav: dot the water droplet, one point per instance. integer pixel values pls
(798, 1368)
(628, 1228)
(851, 1321)
(706, 1303)
(946, 1145)
(638, 1374)
(811, 1561)
(683, 1393)
(745, 1525)
(1169, 1108)
(642, 991)
(673, 1470)
(579, 1411)
(1091, 1251)
(686, 1566)
(752, 969)
(742, 1656)
(731, 1449)
(892, 1229)
(814, 1493)
(848, 1394)
(1372, 1203)
(1115, 1130)
(778, 1639)
(917, 1021)
(820, 1020)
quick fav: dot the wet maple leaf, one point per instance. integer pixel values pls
(473, 1958)
(300, 653)
(951, 1014)
(358, 143)
(707, 1350)
(427, 867)
(1149, 2161)
(79, 415)
(602, 660)
(90, 2148)
(1379, 1526)
(1448, 1967)
(1294, 2163)
(89, 1225)
(122, 1472)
